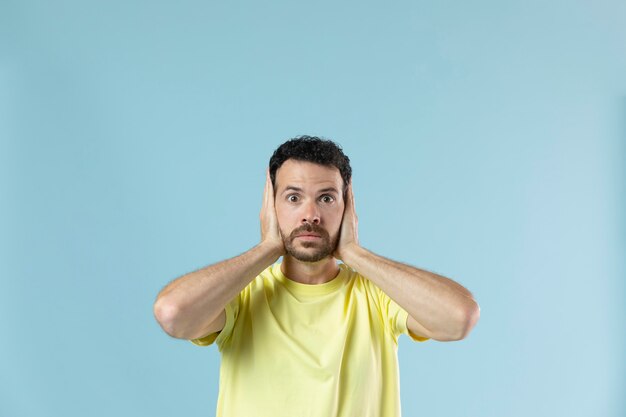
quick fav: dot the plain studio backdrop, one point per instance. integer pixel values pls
(488, 143)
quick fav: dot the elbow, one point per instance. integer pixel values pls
(167, 314)
(464, 321)
(469, 317)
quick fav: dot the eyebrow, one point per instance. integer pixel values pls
(323, 190)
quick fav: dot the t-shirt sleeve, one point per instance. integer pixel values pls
(396, 318)
(232, 310)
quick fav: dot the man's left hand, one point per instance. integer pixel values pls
(348, 233)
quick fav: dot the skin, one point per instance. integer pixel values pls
(438, 307)
(192, 306)
(309, 200)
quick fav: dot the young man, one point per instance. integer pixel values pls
(309, 336)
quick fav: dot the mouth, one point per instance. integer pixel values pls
(309, 236)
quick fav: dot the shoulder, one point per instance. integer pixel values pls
(358, 283)
(265, 282)
(358, 279)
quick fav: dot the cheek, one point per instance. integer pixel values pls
(335, 220)
(285, 216)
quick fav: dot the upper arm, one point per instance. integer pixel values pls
(417, 329)
(213, 327)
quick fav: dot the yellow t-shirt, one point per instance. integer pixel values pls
(298, 350)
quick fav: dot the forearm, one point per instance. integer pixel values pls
(439, 304)
(186, 305)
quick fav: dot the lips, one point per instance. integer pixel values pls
(308, 235)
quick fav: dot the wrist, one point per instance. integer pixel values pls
(273, 249)
(350, 253)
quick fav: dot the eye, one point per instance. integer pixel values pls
(292, 198)
(327, 198)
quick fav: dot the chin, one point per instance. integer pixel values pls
(310, 257)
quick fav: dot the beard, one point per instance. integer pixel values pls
(314, 250)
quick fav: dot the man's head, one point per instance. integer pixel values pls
(310, 178)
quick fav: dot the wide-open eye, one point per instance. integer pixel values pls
(292, 198)
(327, 198)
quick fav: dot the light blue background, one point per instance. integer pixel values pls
(488, 143)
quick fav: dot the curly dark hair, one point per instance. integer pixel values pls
(312, 149)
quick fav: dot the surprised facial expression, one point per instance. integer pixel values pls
(309, 206)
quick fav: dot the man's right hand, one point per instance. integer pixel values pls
(193, 306)
(270, 232)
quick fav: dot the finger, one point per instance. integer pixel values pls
(271, 189)
(267, 201)
(352, 197)
(265, 193)
(351, 200)
(268, 178)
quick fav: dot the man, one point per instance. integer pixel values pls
(309, 336)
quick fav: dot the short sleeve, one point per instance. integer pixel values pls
(232, 310)
(396, 318)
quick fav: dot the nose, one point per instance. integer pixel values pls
(311, 214)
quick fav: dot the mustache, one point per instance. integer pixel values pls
(310, 228)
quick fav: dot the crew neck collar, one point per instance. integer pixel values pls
(310, 289)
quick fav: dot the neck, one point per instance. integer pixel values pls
(309, 272)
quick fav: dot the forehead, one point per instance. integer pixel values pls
(304, 174)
